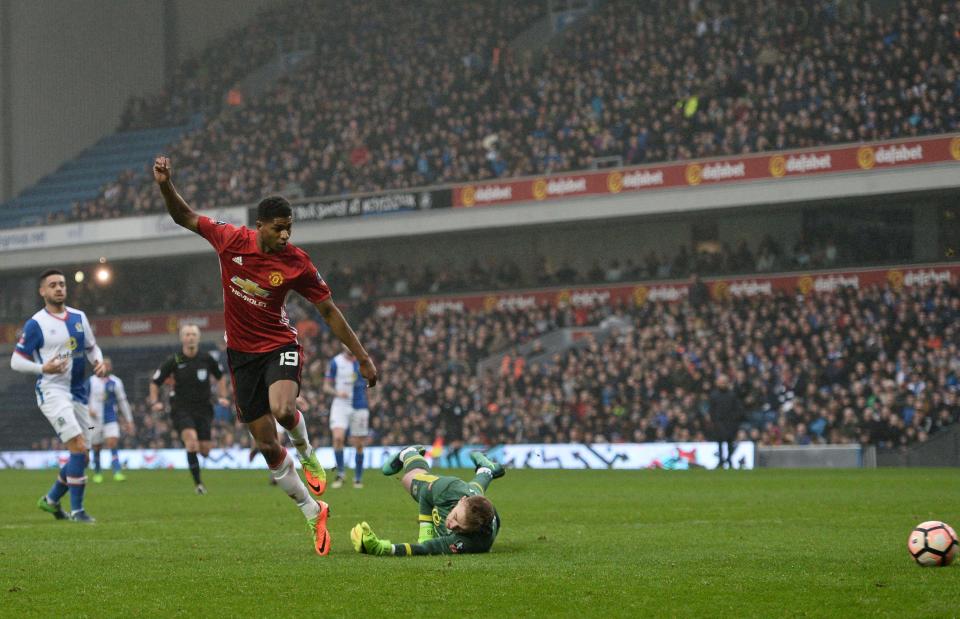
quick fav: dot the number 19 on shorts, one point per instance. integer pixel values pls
(290, 357)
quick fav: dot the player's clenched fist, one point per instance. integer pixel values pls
(161, 169)
(369, 371)
(55, 365)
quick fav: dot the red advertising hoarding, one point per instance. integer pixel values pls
(675, 290)
(155, 324)
(860, 158)
(135, 325)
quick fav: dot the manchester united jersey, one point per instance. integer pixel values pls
(255, 286)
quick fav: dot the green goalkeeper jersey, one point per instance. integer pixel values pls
(437, 496)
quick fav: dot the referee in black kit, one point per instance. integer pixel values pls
(190, 406)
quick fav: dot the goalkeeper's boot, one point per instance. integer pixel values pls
(318, 529)
(395, 464)
(52, 508)
(314, 473)
(480, 461)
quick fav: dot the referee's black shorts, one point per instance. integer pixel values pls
(196, 418)
(253, 373)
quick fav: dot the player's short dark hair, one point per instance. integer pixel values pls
(477, 515)
(272, 207)
(48, 273)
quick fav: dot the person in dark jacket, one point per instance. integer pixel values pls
(726, 413)
(697, 292)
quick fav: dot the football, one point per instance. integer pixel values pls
(933, 543)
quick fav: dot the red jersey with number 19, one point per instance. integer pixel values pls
(255, 286)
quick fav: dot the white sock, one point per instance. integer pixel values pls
(405, 451)
(298, 434)
(288, 479)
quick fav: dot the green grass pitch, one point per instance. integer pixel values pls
(574, 543)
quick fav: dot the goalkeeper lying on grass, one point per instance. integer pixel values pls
(455, 517)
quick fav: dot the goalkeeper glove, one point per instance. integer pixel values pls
(366, 541)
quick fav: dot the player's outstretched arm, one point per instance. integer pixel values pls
(365, 541)
(338, 324)
(179, 210)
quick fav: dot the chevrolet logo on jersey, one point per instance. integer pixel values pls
(248, 286)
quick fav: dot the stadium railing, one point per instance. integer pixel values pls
(941, 449)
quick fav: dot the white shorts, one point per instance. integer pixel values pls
(103, 431)
(343, 415)
(68, 417)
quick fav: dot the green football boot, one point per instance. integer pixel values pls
(52, 508)
(480, 460)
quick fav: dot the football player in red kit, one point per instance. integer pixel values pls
(258, 269)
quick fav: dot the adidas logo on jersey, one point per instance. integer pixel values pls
(238, 260)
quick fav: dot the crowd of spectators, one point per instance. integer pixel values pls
(855, 366)
(398, 97)
(873, 366)
(200, 83)
(368, 112)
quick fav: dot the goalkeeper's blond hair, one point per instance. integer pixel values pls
(477, 514)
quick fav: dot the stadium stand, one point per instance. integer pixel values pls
(438, 96)
(102, 171)
(254, 137)
(727, 78)
(874, 366)
(363, 282)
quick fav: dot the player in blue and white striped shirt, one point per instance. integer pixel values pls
(53, 346)
(350, 410)
(107, 396)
